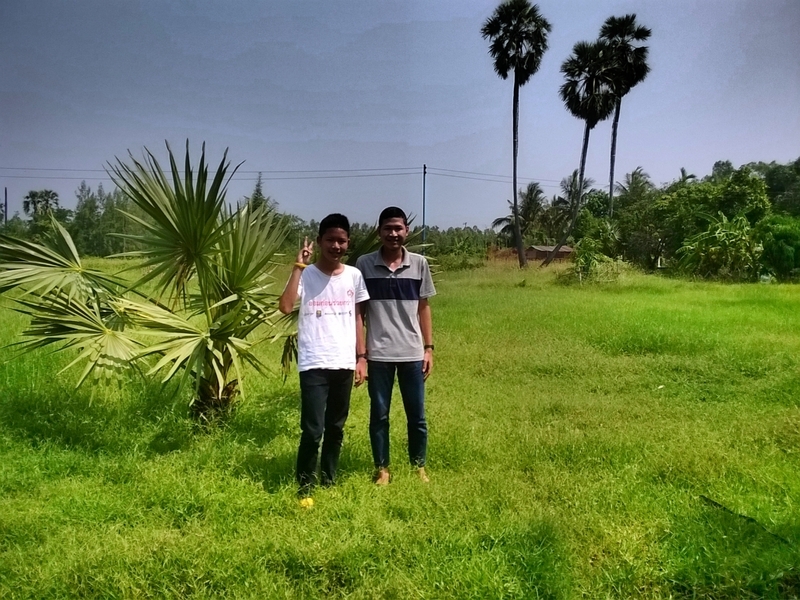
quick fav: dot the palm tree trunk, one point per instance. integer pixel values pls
(613, 158)
(576, 202)
(523, 261)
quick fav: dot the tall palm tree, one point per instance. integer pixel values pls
(630, 68)
(532, 202)
(587, 94)
(518, 38)
(39, 203)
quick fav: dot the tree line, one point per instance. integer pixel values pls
(735, 223)
(98, 226)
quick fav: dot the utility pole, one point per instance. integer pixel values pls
(5, 209)
(424, 228)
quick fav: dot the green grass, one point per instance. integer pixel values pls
(638, 439)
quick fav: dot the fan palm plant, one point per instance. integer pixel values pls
(588, 95)
(518, 36)
(629, 69)
(206, 286)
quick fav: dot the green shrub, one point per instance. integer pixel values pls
(780, 237)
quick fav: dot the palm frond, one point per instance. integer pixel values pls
(185, 221)
(50, 266)
(97, 331)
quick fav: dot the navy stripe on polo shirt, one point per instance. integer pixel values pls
(393, 288)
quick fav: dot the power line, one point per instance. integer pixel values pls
(492, 175)
(234, 178)
(310, 173)
(484, 179)
(412, 169)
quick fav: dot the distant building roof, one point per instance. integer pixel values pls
(550, 248)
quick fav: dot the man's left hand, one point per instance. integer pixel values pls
(427, 363)
(361, 371)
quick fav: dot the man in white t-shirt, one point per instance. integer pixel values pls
(331, 348)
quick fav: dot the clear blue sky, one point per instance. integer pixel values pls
(360, 84)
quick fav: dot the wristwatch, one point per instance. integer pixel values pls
(428, 347)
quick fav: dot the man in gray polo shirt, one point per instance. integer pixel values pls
(399, 339)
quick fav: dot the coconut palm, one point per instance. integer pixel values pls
(686, 177)
(630, 68)
(209, 271)
(532, 202)
(587, 94)
(518, 39)
(636, 184)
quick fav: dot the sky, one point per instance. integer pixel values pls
(340, 103)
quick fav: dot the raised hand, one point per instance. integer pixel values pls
(304, 255)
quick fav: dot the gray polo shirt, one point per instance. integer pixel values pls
(393, 331)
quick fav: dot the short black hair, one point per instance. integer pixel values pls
(392, 212)
(334, 221)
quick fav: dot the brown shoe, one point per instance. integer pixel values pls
(423, 476)
(382, 477)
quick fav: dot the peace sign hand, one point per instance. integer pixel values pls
(304, 256)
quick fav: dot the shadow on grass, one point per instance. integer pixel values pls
(716, 553)
(113, 423)
(263, 420)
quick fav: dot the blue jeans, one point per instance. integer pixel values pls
(325, 404)
(412, 390)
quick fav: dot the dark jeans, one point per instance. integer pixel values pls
(325, 403)
(412, 390)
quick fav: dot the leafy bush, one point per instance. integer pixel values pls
(780, 237)
(590, 264)
(727, 249)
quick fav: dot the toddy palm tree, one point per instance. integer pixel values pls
(211, 268)
(629, 68)
(39, 203)
(518, 38)
(588, 95)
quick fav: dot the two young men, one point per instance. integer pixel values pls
(333, 351)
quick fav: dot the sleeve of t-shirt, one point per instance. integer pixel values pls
(426, 289)
(362, 294)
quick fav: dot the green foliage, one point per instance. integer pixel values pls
(744, 193)
(727, 249)
(780, 237)
(459, 248)
(591, 263)
(211, 267)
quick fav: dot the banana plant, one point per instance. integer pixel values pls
(207, 285)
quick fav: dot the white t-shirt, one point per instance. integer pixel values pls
(326, 331)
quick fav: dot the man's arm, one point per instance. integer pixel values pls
(361, 345)
(289, 295)
(426, 327)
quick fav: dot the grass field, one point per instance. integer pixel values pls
(638, 439)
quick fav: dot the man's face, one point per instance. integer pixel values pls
(393, 233)
(333, 243)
